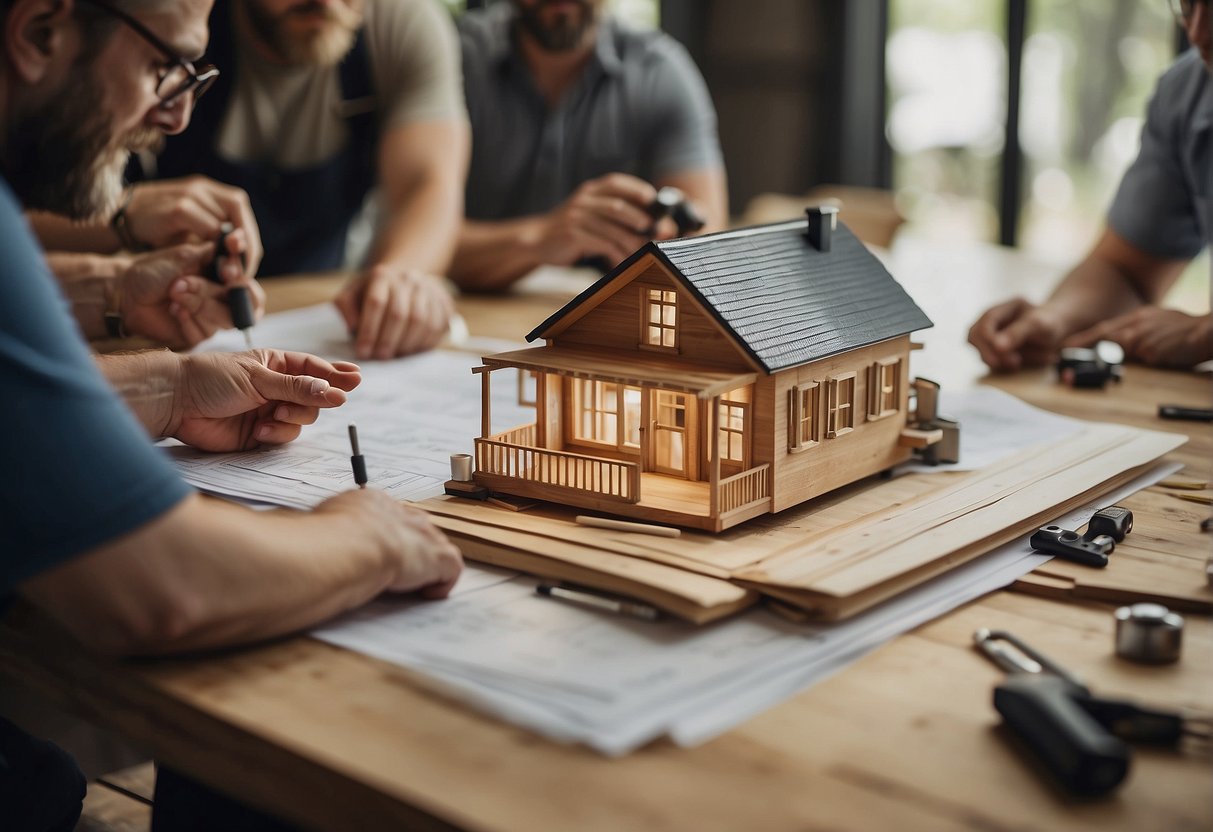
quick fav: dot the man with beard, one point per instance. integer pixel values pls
(96, 527)
(1161, 218)
(576, 121)
(327, 99)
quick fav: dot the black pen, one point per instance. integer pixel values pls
(585, 597)
(239, 303)
(356, 461)
(1192, 414)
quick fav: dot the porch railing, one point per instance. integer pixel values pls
(521, 435)
(607, 478)
(744, 489)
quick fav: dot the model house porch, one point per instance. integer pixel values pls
(636, 436)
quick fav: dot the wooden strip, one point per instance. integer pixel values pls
(699, 589)
(832, 607)
(569, 569)
(626, 526)
(868, 552)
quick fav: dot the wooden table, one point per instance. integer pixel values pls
(907, 738)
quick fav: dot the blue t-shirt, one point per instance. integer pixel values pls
(79, 468)
(1163, 204)
(639, 106)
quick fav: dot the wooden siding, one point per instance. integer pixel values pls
(615, 323)
(871, 447)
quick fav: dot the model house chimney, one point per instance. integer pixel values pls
(822, 219)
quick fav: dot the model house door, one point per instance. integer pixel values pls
(672, 435)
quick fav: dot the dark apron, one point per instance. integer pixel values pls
(303, 213)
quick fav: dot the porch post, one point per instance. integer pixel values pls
(485, 415)
(714, 451)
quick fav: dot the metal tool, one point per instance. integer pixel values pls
(1063, 543)
(239, 303)
(673, 203)
(1080, 738)
(1149, 633)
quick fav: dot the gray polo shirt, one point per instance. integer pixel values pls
(640, 107)
(1163, 204)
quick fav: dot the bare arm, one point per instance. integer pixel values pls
(605, 217)
(399, 305)
(1113, 280)
(707, 189)
(208, 574)
(161, 214)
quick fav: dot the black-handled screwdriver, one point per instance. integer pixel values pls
(239, 302)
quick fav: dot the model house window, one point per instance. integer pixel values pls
(731, 433)
(884, 388)
(804, 416)
(598, 407)
(528, 387)
(661, 318)
(840, 407)
(598, 411)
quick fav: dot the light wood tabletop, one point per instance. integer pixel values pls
(906, 738)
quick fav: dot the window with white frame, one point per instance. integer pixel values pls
(884, 388)
(661, 318)
(804, 416)
(840, 405)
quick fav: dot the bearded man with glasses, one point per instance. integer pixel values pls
(97, 529)
(1161, 218)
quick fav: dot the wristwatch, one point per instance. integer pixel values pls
(122, 228)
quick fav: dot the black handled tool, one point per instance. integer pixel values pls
(1079, 737)
(1063, 543)
(239, 303)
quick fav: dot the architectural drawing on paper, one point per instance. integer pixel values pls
(709, 380)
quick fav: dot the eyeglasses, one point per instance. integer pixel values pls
(178, 76)
(1183, 9)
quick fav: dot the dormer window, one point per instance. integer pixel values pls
(661, 318)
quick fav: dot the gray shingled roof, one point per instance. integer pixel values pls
(786, 302)
(789, 303)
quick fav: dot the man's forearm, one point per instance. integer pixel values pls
(492, 255)
(420, 228)
(148, 381)
(89, 283)
(209, 574)
(1114, 279)
(57, 233)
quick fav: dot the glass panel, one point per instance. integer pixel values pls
(667, 338)
(654, 313)
(667, 315)
(631, 416)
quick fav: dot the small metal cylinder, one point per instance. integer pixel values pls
(1149, 633)
(461, 467)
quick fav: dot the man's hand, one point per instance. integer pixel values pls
(394, 311)
(605, 217)
(422, 557)
(236, 401)
(174, 211)
(1016, 334)
(1156, 336)
(164, 296)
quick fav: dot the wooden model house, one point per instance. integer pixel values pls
(709, 380)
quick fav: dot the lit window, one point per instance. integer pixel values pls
(804, 422)
(661, 318)
(598, 411)
(598, 405)
(840, 407)
(731, 434)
